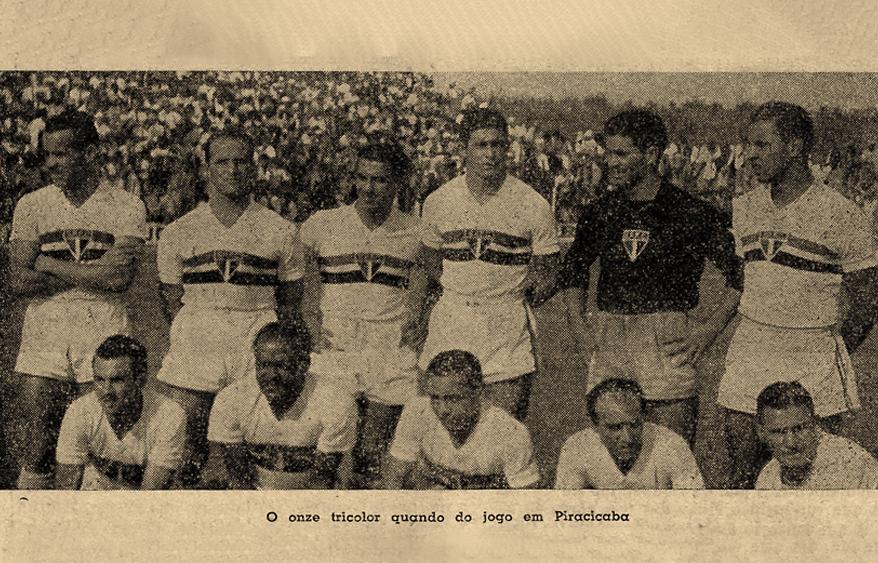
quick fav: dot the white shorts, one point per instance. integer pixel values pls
(366, 359)
(630, 346)
(760, 355)
(59, 337)
(211, 348)
(497, 332)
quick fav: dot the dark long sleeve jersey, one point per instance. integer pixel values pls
(652, 253)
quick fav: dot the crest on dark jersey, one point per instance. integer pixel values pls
(771, 243)
(478, 244)
(77, 243)
(227, 267)
(369, 268)
(634, 241)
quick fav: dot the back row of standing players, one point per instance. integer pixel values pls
(419, 335)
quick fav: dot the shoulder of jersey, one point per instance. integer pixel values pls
(125, 198)
(443, 190)
(835, 197)
(42, 195)
(166, 408)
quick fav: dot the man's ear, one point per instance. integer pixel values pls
(653, 156)
(794, 146)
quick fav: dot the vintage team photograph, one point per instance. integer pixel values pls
(431, 280)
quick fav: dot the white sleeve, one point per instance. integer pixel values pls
(25, 223)
(544, 232)
(857, 248)
(168, 259)
(431, 235)
(406, 445)
(519, 466)
(683, 467)
(339, 422)
(570, 474)
(169, 437)
(224, 426)
(132, 221)
(291, 265)
(73, 441)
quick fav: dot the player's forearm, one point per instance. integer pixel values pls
(542, 279)
(395, 472)
(239, 468)
(87, 276)
(575, 300)
(27, 283)
(326, 470)
(289, 299)
(156, 478)
(723, 314)
(171, 296)
(68, 477)
(862, 290)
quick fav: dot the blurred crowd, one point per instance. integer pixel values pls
(307, 126)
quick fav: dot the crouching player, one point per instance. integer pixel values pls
(114, 437)
(623, 451)
(277, 427)
(451, 439)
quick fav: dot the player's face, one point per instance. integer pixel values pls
(486, 154)
(280, 370)
(231, 171)
(376, 188)
(792, 435)
(115, 384)
(456, 405)
(620, 425)
(627, 165)
(768, 155)
(64, 162)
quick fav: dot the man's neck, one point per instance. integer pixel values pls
(795, 476)
(794, 182)
(646, 189)
(372, 218)
(483, 188)
(461, 435)
(281, 405)
(82, 189)
(626, 465)
(125, 419)
(226, 209)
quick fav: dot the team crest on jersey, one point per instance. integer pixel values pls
(771, 243)
(478, 244)
(634, 241)
(227, 267)
(369, 268)
(77, 242)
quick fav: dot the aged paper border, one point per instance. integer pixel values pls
(490, 35)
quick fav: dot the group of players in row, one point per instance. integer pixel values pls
(415, 349)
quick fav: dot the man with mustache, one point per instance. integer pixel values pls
(652, 239)
(623, 451)
(116, 437)
(804, 456)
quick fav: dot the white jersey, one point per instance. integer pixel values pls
(839, 464)
(498, 445)
(233, 267)
(795, 255)
(81, 234)
(87, 439)
(364, 272)
(665, 462)
(322, 419)
(487, 247)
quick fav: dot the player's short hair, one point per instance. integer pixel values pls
(457, 362)
(122, 346)
(645, 128)
(390, 153)
(612, 385)
(85, 134)
(291, 332)
(229, 133)
(482, 118)
(791, 121)
(784, 395)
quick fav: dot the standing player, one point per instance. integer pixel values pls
(491, 241)
(114, 437)
(278, 427)
(623, 451)
(805, 457)
(451, 439)
(365, 254)
(652, 239)
(73, 252)
(802, 243)
(227, 268)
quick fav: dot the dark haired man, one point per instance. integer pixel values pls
(371, 294)
(450, 439)
(803, 244)
(490, 240)
(278, 427)
(805, 457)
(652, 239)
(622, 451)
(115, 437)
(73, 251)
(227, 268)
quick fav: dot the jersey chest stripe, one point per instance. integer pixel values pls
(792, 261)
(490, 256)
(237, 278)
(503, 239)
(129, 474)
(454, 479)
(224, 255)
(288, 459)
(800, 243)
(68, 234)
(356, 259)
(358, 276)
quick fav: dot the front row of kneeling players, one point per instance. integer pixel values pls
(280, 427)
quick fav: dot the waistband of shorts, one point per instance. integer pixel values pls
(481, 300)
(823, 328)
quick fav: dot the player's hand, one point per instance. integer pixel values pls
(413, 334)
(121, 255)
(687, 349)
(323, 341)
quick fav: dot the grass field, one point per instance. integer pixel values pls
(557, 403)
